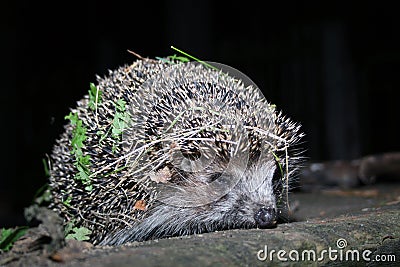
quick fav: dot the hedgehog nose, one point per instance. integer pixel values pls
(265, 217)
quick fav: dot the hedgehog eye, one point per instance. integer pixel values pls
(190, 152)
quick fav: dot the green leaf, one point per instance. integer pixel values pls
(78, 133)
(67, 202)
(83, 174)
(84, 160)
(73, 117)
(82, 163)
(93, 93)
(179, 58)
(68, 228)
(81, 234)
(89, 188)
(121, 105)
(9, 236)
(121, 119)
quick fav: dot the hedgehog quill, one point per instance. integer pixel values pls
(164, 148)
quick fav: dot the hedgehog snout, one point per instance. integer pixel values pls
(265, 217)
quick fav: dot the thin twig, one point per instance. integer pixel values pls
(140, 57)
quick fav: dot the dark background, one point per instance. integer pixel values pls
(333, 66)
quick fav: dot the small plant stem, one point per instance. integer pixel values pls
(192, 57)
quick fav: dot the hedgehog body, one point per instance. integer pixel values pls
(164, 148)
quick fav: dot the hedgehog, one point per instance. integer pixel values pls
(163, 148)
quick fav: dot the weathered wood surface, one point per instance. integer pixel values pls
(368, 219)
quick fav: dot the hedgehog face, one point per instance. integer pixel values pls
(253, 202)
